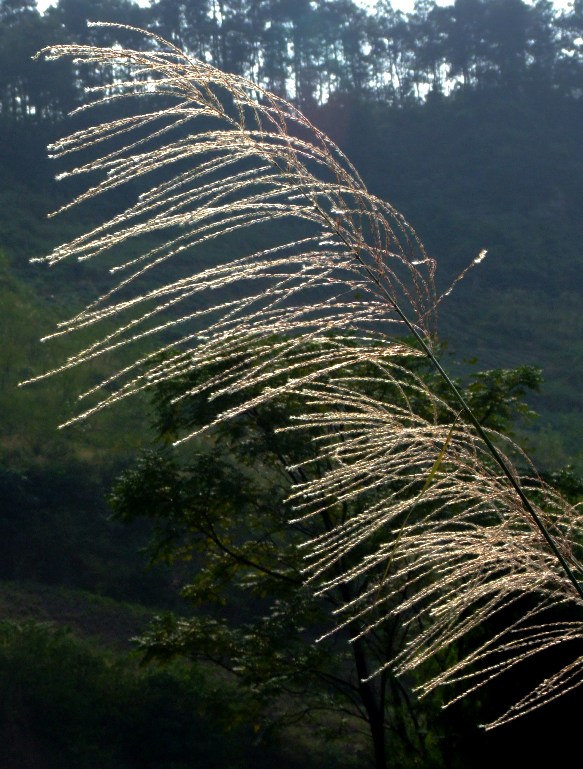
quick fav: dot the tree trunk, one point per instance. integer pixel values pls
(374, 711)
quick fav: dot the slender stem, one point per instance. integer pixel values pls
(485, 437)
(463, 403)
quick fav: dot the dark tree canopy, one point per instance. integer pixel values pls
(309, 51)
(220, 515)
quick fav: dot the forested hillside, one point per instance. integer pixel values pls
(466, 117)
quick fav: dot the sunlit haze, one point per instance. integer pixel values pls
(403, 5)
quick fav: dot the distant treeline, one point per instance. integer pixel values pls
(310, 50)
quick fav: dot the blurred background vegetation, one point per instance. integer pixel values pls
(467, 117)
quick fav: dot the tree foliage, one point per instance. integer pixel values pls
(312, 52)
(70, 704)
(221, 520)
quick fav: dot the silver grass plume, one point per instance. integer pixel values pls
(323, 312)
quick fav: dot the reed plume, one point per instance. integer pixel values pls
(334, 307)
